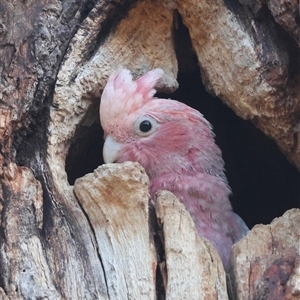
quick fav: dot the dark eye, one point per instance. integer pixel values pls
(145, 126)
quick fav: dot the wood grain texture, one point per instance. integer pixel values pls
(245, 63)
(267, 261)
(115, 198)
(24, 268)
(194, 268)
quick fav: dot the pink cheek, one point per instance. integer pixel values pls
(133, 153)
(126, 154)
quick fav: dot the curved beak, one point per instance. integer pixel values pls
(111, 150)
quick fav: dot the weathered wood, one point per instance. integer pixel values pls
(3, 296)
(55, 58)
(116, 198)
(285, 13)
(135, 44)
(266, 263)
(34, 39)
(80, 80)
(194, 269)
(245, 63)
(24, 268)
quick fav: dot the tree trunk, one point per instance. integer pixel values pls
(110, 243)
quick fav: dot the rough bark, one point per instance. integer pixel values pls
(24, 268)
(55, 57)
(266, 263)
(244, 62)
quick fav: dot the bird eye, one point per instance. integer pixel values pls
(145, 126)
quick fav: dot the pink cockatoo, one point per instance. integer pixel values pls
(175, 144)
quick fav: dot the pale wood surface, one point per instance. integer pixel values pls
(194, 269)
(115, 198)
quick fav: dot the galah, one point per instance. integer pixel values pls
(175, 144)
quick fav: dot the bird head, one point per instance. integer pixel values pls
(163, 135)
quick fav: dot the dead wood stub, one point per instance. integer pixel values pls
(115, 199)
(266, 261)
(193, 268)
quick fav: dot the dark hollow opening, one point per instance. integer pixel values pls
(263, 182)
(85, 152)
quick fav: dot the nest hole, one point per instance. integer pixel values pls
(85, 152)
(264, 184)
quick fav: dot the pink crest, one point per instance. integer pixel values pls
(122, 96)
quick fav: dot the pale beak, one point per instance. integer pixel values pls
(111, 150)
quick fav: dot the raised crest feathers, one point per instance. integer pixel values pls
(122, 95)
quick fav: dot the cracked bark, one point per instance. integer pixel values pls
(55, 58)
(266, 261)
